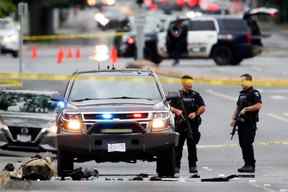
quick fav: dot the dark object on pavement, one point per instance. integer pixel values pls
(9, 167)
(79, 174)
(226, 179)
(195, 176)
(144, 175)
(137, 178)
(37, 168)
(155, 178)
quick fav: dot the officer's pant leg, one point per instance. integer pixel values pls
(179, 149)
(192, 152)
(247, 134)
(192, 149)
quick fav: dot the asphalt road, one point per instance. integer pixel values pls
(217, 154)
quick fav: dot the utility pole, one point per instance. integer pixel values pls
(140, 22)
(22, 12)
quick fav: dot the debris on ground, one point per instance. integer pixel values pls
(36, 168)
(79, 174)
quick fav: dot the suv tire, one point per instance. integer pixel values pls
(15, 54)
(64, 164)
(237, 61)
(222, 55)
(166, 162)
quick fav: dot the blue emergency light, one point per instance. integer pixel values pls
(107, 116)
(61, 104)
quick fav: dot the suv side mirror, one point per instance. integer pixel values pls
(57, 98)
(172, 95)
(60, 102)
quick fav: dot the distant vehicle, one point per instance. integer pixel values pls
(116, 124)
(9, 37)
(228, 40)
(111, 18)
(27, 120)
(126, 44)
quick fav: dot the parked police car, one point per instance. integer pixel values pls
(112, 116)
(27, 120)
(225, 39)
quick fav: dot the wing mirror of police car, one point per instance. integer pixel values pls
(59, 101)
(172, 95)
(57, 98)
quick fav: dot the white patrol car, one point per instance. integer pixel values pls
(225, 39)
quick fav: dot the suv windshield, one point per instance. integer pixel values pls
(26, 102)
(116, 87)
(232, 25)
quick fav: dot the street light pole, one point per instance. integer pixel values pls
(140, 22)
(22, 12)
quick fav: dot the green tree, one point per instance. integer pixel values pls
(6, 7)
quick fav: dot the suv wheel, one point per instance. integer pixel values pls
(237, 61)
(64, 164)
(222, 55)
(15, 54)
(166, 163)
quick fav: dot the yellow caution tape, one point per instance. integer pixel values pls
(72, 36)
(10, 83)
(164, 78)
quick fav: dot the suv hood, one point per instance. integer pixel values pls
(35, 120)
(121, 105)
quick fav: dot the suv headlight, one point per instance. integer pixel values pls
(160, 122)
(161, 115)
(72, 123)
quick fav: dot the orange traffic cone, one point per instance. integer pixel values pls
(69, 53)
(114, 55)
(34, 53)
(60, 56)
(78, 54)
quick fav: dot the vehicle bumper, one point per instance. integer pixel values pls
(248, 51)
(138, 146)
(45, 142)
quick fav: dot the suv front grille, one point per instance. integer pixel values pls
(30, 131)
(119, 127)
(120, 116)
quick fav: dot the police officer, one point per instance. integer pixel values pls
(188, 109)
(176, 42)
(248, 106)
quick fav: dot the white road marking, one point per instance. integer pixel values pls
(278, 97)
(278, 117)
(285, 114)
(221, 95)
(283, 190)
(275, 91)
(207, 169)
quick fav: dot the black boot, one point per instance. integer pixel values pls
(247, 169)
(193, 169)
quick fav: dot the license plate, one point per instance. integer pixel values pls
(117, 147)
(24, 138)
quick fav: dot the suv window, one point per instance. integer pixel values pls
(201, 26)
(110, 87)
(232, 25)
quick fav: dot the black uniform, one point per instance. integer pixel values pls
(176, 41)
(192, 102)
(247, 128)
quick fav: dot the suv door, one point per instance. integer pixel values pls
(202, 35)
